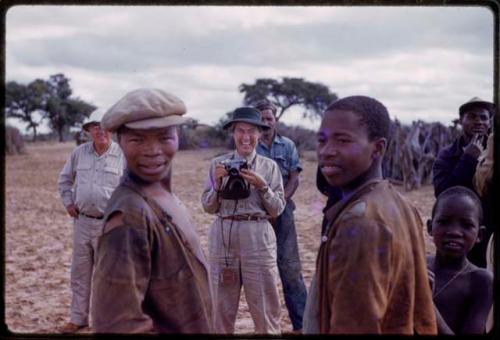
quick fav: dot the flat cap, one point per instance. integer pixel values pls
(145, 109)
(476, 102)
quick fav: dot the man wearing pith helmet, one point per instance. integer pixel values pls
(244, 190)
(85, 184)
(151, 274)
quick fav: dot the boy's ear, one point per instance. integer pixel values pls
(480, 233)
(379, 150)
(429, 226)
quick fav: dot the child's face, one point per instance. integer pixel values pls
(344, 151)
(455, 226)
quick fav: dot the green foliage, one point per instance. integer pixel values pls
(313, 97)
(51, 99)
(23, 101)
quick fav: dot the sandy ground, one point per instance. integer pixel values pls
(38, 231)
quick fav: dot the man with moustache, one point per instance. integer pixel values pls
(85, 184)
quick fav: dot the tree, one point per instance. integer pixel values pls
(51, 99)
(62, 111)
(313, 97)
(23, 101)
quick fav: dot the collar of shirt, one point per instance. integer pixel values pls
(249, 158)
(113, 149)
(276, 140)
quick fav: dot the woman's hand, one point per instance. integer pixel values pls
(220, 172)
(253, 178)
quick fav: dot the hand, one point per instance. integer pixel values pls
(72, 210)
(253, 178)
(475, 147)
(220, 172)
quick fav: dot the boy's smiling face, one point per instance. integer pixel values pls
(344, 150)
(455, 226)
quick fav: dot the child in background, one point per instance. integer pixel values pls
(462, 292)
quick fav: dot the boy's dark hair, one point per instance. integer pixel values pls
(459, 190)
(372, 113)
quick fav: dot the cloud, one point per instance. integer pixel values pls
(422, 62)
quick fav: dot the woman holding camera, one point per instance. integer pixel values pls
(244, 190)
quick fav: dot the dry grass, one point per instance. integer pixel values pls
(39, 232)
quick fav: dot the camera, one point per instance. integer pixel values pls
(233, 166)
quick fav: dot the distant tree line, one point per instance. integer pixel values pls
(46, 100)
(409, 157)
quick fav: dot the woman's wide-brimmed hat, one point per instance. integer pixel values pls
(248, 115)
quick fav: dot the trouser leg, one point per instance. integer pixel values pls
(260, 278)
(84, 241)
(294, 289)
(226, 295)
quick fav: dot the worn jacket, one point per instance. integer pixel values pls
(149, 276)
(371, 269)
(453, 167)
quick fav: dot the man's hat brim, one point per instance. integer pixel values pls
(157, 122)
(248, 121)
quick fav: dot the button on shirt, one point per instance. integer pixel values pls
(283, 152)
(89, 179)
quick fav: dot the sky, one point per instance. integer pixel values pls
(420, 62)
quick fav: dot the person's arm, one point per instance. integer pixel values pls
(210, 196)
(295, 169)
(292, 184)
(121, 278)
(442, 326)
(359, 276)
(481, 301)
(65, 184)
(446, 174)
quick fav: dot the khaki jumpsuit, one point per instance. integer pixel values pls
(248, 247)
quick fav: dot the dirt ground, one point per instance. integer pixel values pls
(38, 232)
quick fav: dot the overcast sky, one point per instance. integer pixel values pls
(421, 62)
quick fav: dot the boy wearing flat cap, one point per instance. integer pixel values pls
(151, 274)
(456, 164)
(241, 241)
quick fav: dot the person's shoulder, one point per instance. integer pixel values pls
(129, 203)
(266, 160)
(220, 157)
(286, 140)
(85, 147)
(115, 149)
(480, 275)
(450, 150)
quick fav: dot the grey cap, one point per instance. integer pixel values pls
(145, 109)
(476, 102)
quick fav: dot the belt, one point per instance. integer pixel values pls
(94, 217)
(245, 218)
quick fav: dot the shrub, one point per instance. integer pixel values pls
(14, 141)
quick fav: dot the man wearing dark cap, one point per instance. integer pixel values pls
(284, 152)
(244, 190)
(151, 274)
(456, 164)
(85, 184)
